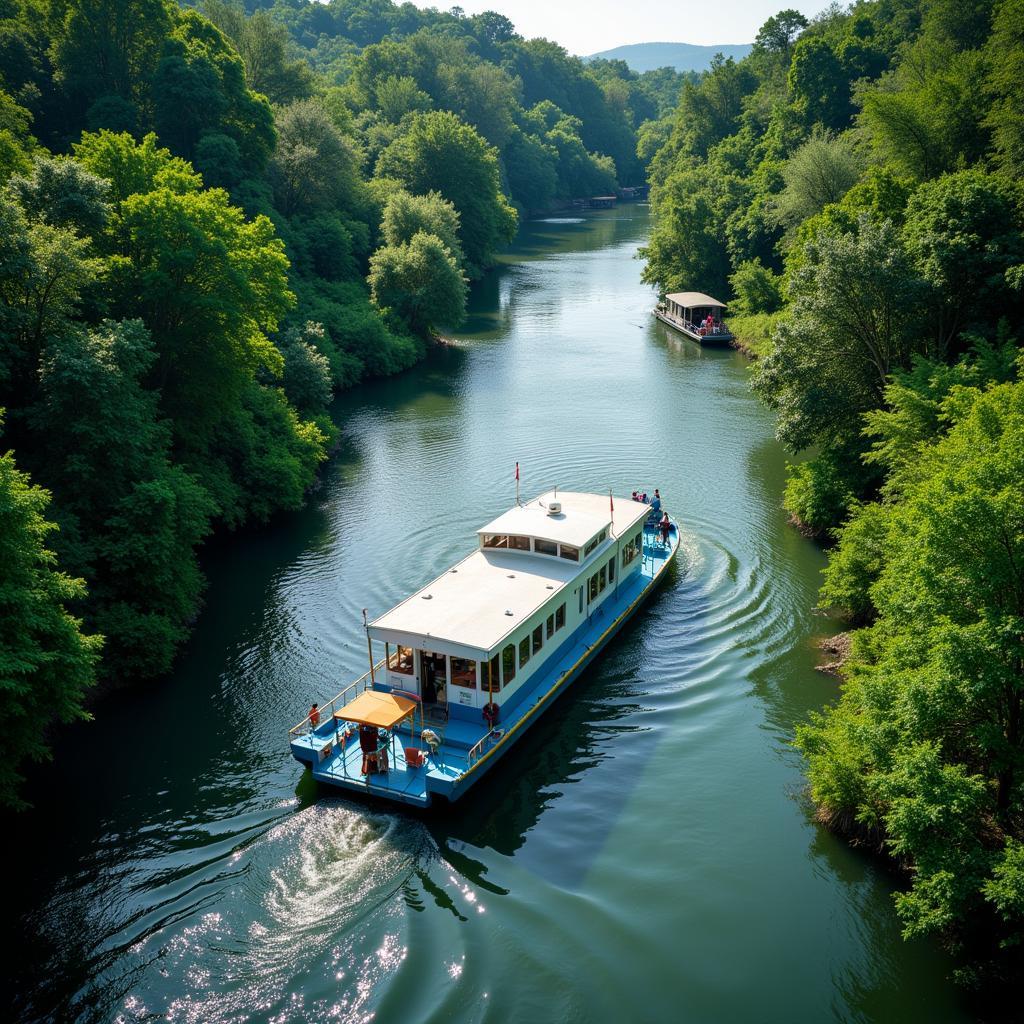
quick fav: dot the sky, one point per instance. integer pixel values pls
(588, 26)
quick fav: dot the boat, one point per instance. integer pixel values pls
(475, 657)
(688, 312)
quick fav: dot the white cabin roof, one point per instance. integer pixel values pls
(466, 608)
(691, 300)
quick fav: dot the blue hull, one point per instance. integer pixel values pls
(449, 774)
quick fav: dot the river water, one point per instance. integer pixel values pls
(646, 853)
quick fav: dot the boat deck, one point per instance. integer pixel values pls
(446, 772)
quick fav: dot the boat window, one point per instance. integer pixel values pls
(590, 547)
(519, 543)
(524, 651)
(508, 664)
(593, 587)
(560, 616)
(581, 600)
(491, 680)
(611, 570)
(567, 551)
(464, 672)
(401, 660)
(603, 575)
(551, 626)
(495, 540)
(538, 639)
(545, 547)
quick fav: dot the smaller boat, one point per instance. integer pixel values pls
(696, 315)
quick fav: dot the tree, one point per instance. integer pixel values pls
(306, 378)
(819, 84)
(265, 48)
(132, 167)
(440, 153)
(314, 166)
(779, 32)
(131, 519)
(926, 117)
(756, 288)
(965, 231)
(199, 87)
(44, 271)
(406, 216)
(853, 320)
(421, 281)
(46, 663)
(103, 48)
(63, 193)
(820, 172)
(1004, 52)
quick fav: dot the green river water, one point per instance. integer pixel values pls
(644, 854)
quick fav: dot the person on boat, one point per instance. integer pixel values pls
(636, 497)
(491, 714)
(643, 498)
(665, 526)
(314, 716)
(656, 501)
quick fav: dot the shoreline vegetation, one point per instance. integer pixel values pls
(853, 187)
(212, 220)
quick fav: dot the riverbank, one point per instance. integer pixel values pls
(753, 334)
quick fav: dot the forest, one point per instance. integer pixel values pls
(212, 220)
(853, 188)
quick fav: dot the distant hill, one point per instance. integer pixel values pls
(681, 56)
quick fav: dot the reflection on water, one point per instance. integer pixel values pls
(646, 841)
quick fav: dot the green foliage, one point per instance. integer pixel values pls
(756, 288)
(439, 153)
(46, 663)
(314, 166)
(306, 377)
(131, 519)
(821, 491)
(406, 216)
(925, 745)
(852, 322)
(964, 232)
(1004, 52)
(63, 193)
(819, 173)
(421, 281)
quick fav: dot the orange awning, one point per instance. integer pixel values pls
(371, 707)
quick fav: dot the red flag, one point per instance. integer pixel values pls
(517, 470)
(611, 501)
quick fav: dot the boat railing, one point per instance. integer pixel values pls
(326, 711)
(477, 750)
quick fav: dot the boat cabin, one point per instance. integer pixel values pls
(696, 315)
(480, 631)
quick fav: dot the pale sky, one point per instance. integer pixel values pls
(588, 26)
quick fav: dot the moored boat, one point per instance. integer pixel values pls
(475, 657)
(696, 315)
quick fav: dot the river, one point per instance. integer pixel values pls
(646, 853)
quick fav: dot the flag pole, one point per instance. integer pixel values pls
(517, 483)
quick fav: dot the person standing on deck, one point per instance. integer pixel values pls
(665, 527)
(656, 502)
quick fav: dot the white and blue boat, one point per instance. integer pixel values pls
(473, 659)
